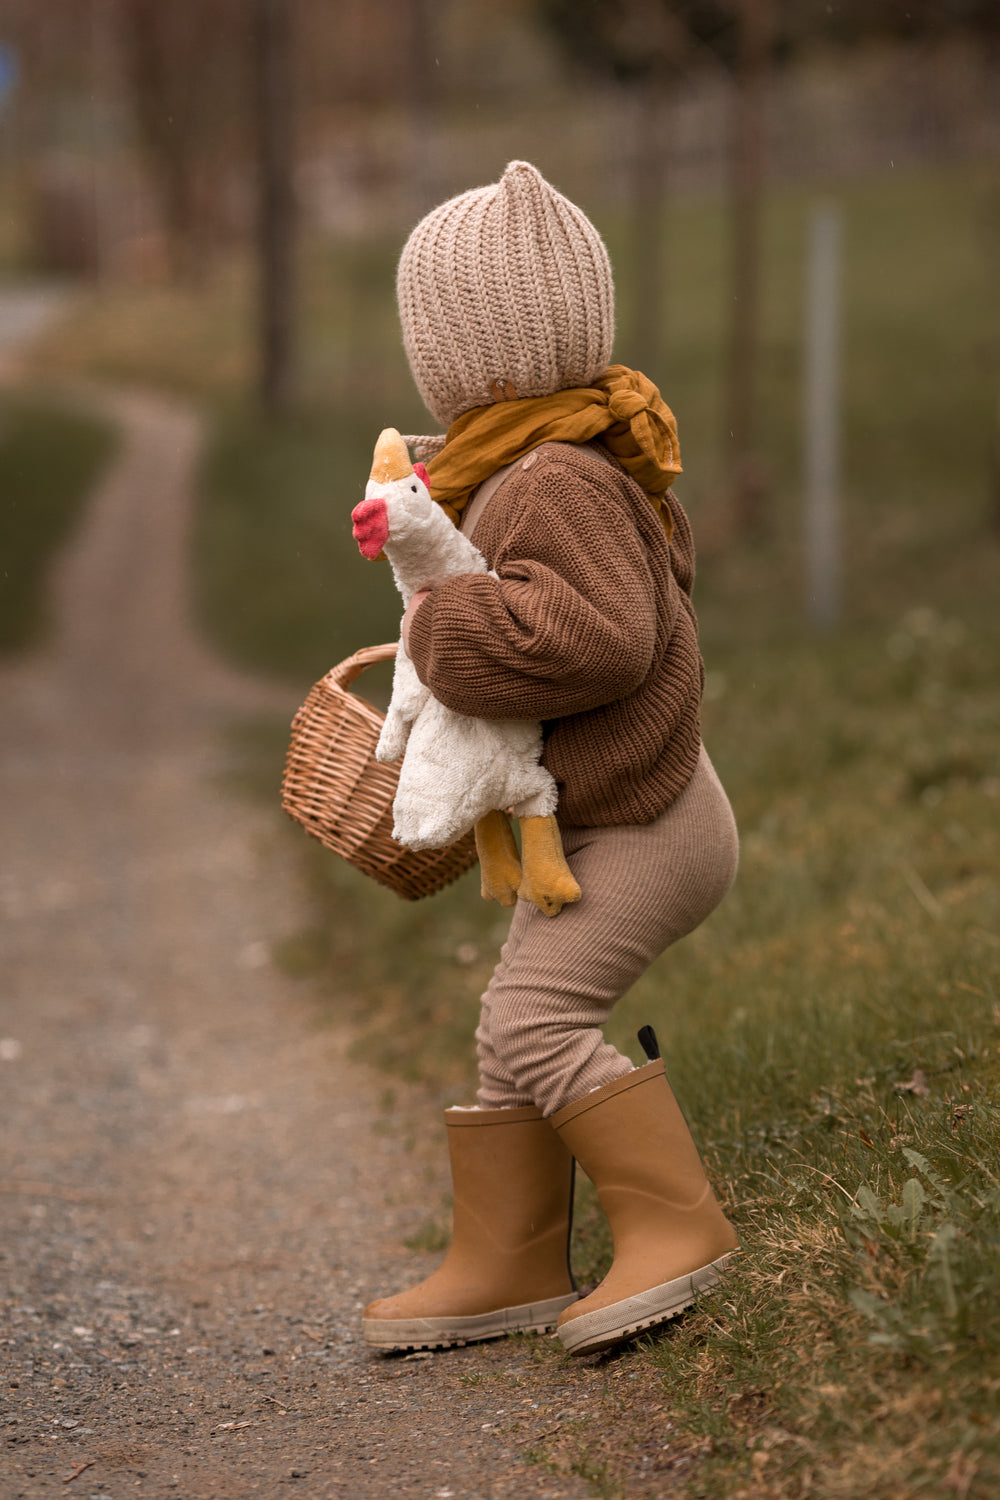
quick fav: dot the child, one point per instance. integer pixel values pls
(561, 463)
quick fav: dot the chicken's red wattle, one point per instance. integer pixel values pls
(371, 526)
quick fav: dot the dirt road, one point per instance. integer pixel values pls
(198, 1189)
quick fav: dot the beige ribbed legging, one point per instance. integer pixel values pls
(644, 886)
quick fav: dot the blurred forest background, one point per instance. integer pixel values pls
(227, 187)
(802, 203)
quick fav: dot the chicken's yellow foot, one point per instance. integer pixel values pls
(499, 864)
(546, 877)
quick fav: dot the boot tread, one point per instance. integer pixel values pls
(590, 1332)
(452, 1332)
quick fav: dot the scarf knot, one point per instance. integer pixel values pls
(625, 405)
(622, 410)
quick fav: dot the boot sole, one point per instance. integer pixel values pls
(448, 1333)
(621, 1320)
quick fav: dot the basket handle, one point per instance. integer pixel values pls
(345, 672)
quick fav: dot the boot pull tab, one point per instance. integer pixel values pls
(648, 1043)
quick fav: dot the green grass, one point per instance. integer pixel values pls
(855, 964)
(856, 1348)
(49, 458)
(833, 1031)
(280, 582)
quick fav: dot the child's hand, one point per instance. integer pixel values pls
(411, 609)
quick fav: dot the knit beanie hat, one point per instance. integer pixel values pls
(504, 292)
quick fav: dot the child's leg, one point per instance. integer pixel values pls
(508, 1264)
(644, 887)
(540, 1037)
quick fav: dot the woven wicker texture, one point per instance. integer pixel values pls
(334, 787)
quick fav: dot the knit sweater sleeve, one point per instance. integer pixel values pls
(569, 621)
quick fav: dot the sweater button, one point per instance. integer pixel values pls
(531, 458)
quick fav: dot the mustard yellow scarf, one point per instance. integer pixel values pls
(622, 409)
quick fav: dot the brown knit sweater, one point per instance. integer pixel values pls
(589, 627)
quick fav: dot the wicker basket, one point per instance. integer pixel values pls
(336, 789)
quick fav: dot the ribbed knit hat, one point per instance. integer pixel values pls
(506, 283)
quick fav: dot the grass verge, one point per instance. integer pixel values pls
(833, 1033)
(49, 459)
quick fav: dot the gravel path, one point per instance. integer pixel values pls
(198, 1188)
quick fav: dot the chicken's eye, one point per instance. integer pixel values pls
(413, 488)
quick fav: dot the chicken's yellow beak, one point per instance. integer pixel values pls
(391, 460)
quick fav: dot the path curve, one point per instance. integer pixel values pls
(198, 1188)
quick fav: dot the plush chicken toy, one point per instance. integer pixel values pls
(457, 772)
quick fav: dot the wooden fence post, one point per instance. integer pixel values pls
(821, 418)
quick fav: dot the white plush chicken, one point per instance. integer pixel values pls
(458, 772)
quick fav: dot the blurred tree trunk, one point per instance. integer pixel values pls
(646, 331)
(273, 75)
(185, 68)
(746, 477)
(151, 62)
(420, 83)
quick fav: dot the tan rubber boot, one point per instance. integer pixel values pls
(508, 1265)
(671, 1237)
